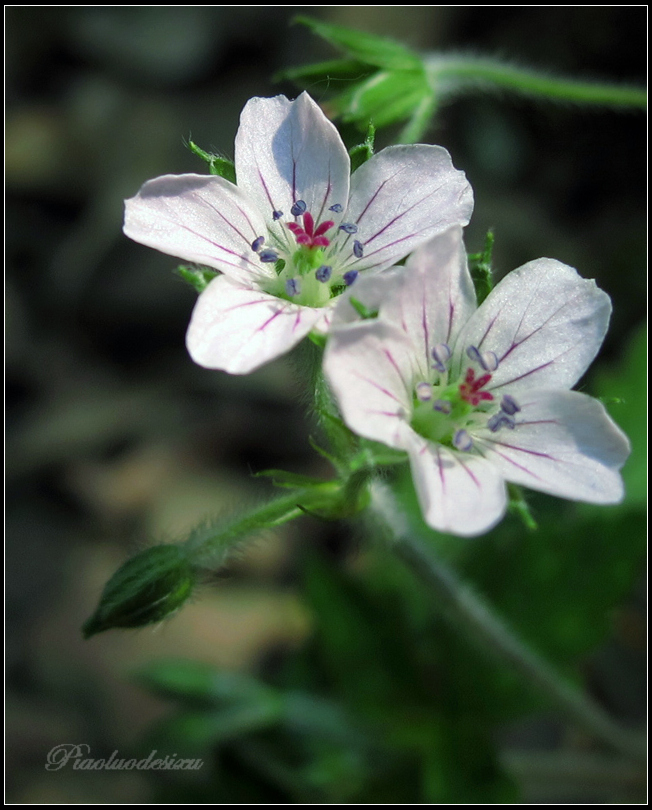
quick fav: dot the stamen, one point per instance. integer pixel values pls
(258, 242)
(337, 208)
(441, 355)
(349, 277)
(323, 273)
(298, 208)
(499, 420)
(349, 227)
(268, 256)
(276, 215)
(443, 406)
(358, 249)
(424, 391)
(487, 360)
(293, 286)
(510, 405)
(462, 441)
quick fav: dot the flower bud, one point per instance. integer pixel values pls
(144, 590)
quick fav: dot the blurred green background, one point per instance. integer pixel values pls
(114, 437)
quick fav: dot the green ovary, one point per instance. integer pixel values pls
(435, 425)
(302, 266)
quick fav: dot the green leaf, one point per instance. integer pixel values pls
(368, 48)
(384, 98)
(624, 383)
(146, 589)
(193, 682)
(362, 152)
(217, 165)
(336, 69)
(198, 277)
(481, 268)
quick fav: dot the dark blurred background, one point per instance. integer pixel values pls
(114, 437)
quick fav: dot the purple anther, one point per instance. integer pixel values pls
(349, 227)
(298, 208)
(276, 215)
(441, 355)
(486, 360)
(323, 273)
(424, 391)
(462, 441)
(293, 286)
(510, 405)
(443, 406)
(473, 353)
(500, 420)
(258, 242)
(349, 277)
(337, 208)
(268, 256)
(489, 361)
(358, 249)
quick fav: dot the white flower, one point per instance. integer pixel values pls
(480, 396)
(291, 235)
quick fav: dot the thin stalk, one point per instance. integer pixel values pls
(466, 73)
(466, 610)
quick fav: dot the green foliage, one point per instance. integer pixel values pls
(217, 165)
(362, 152)
(198, 277)
(145, 590)
(382, 81)
(622, 388)
(481, 268)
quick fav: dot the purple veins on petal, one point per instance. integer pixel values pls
(293, 286)
(298, 208)
(323, 273)
(349, 277)
(268, 256)
(443, 406)
(509, 405)
(424, 391)
(258, 242)
(337, 208)
(462, 441)
(358, 249)
(349, 227)
(276, 215)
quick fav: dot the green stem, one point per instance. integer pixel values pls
(468, 73)
(209, 546)
(466, 610)
(421, 119)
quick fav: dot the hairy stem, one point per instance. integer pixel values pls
(455, 74)
(466, 610)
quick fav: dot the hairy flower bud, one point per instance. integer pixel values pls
(144, 590)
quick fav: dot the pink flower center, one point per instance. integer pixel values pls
(471, 389)
(308, 235)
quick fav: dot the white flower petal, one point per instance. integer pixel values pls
(369, 366)
(200, 219)
(564, 444)
(460, 493)
(236, 328)
(400, 198)
(287, 151)
(436, 297)
(371, 290)
(545, 324)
